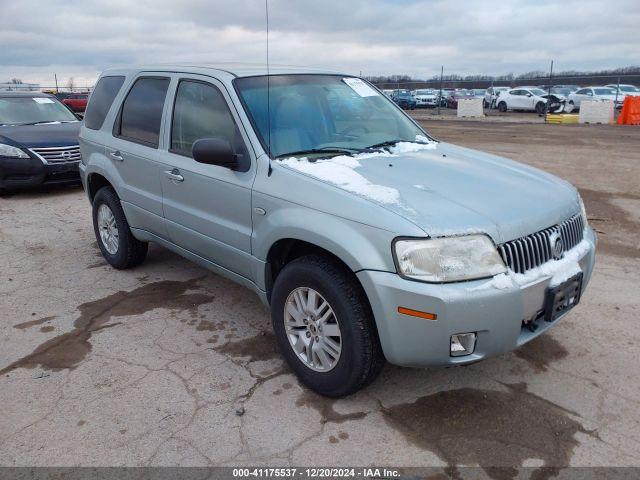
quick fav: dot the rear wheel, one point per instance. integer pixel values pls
(324, 326)
(502, 106)
(115, 240)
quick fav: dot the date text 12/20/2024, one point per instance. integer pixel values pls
(315, 472)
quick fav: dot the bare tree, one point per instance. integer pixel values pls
(71, 83)
(15, 81)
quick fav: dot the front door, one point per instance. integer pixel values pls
(207, 208)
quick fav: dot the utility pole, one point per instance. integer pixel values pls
(546, 105)
(440, 95)
(56, 77)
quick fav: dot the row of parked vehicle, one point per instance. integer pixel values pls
(556, 98)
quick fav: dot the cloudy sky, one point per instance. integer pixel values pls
(80, 38)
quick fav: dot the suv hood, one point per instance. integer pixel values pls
(449, 190)
(43, 135)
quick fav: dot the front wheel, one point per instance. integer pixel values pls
(118, 246)
(502, 107)
(540, 106)
(324, 326)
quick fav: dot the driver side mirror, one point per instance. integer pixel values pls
(215, 151)
(529, 95)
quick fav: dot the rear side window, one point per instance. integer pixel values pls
(200, 111)
(141, 112)
(101, 100)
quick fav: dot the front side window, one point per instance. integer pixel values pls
(101, 100)
(200, 111)
(141, 112)
(316, 112)
(33, 110)
(604, 91)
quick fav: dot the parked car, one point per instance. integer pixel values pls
(368, 239)
(38, 141)
(76, 101)
(625, 90)
(595, 93)
(523, 98)
(570, 88)
(388, 93)
(404, 99)
(425, 98)
(479, 92)
(455, 96)
(491, 95)
(562, 92)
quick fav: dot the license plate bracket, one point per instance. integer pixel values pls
(562, 298)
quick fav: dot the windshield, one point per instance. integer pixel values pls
(629, 88)
(315, 112)
(604, 91)
(423, 92)
(537, 91)
(31, 110)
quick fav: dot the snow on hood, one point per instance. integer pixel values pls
(341, 170)
(445, 190)
(559, 271)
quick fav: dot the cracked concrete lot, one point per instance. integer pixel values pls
(151, 366)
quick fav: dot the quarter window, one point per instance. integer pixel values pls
(200, 111)
(101, 100)
(141, 111)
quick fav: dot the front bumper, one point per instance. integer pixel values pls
(19, 173)
(496, 315)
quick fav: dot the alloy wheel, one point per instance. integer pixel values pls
(108, 229)
(312, 329)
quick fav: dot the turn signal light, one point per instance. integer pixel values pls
(417, 313)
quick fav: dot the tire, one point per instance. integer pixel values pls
(502, 107)
(126, 251)
(360, 358)
(540, 107)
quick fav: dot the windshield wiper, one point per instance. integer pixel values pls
(390, 143)
(336, 150)
(386, 143)
(37, 123)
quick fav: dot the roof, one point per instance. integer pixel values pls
(24, 94)
(230, 69)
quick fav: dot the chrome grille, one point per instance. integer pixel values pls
(58, 154)
(525, 253)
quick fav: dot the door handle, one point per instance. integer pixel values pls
(117, 156)
(174, 175)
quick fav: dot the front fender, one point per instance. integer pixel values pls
(357, 245)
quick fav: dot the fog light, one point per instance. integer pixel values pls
(462, 344)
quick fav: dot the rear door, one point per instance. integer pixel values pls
(207, 207)
(134, 151)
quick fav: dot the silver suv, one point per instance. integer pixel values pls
(366, 237)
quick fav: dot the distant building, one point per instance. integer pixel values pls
(19, 87)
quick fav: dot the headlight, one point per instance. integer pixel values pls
(10, 151)
(448, 259)
(583, 211)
